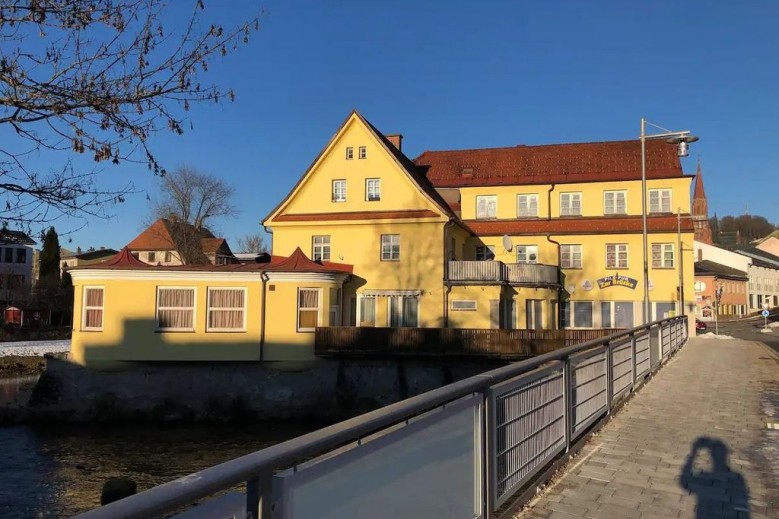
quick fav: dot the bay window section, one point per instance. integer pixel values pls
(309, 300)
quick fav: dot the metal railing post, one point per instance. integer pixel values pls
(568, 394)
(259, 497)
(634, 355)
(487, 438)
(609, 377)
(660, 344)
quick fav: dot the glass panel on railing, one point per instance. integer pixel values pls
(429, 468)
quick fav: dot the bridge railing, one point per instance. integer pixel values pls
(459, 451)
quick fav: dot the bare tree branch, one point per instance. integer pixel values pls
(105, 77)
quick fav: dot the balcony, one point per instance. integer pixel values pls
(497, 272)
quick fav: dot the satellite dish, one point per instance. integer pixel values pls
(507, 244)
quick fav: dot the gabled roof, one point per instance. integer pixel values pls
(707, 267)
(213, 245)
(406, 165)
(17, 237)
(155, 237)
(576, 162)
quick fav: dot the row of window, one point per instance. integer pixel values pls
(372, 190)
(390, 247)
(362, 152)
(614, 203)
(7, 255)
(613, 314)
(764, 284)
(175, 309)
(571, 255)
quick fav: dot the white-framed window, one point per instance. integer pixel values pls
(320, 248)
(581, 316)
(367, 311)
(390, 247)
(486, 206)
(349, 153)
(663, 255)
(616, 314)
(527, 206)
(615, 202)
(463, 305)
(570, 204)
(403, 311)
(485, 253)
(339, 190)
(226, 310)
(527, 253)
(309, 309)
(659, 200)
(362, 152)
(176, 309)
(570, 256)
(92, 313)
(616, 255)
(372, 189)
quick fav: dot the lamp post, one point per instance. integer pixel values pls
(682, 140)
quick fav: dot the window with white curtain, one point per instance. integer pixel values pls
(615, 202)
(176, 309)
(527, 206)
(309, 300)
(339, 190)
(226, 310)
(662, 255)
(92, 319)
(617, 256)
(367, 311)
(570, 204)
(659, 200)
(570, 256)
(486, 206)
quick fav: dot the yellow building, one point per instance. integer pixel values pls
(517, 237)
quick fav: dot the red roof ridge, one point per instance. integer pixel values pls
(124, 258)
(299, 262)
(548, 144)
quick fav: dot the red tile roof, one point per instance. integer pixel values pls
(296, 262)
(155, 237)
(599, 225)
(699, 192)
(578, 162)
(211, 245)
(357, 215)
(124, 258)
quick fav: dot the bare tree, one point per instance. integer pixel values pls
(252, 243)
(194, 197)
(101, 77)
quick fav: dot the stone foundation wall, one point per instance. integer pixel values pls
(322, 389)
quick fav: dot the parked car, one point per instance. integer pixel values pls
(700, 326)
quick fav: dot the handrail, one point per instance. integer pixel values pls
(186, 490)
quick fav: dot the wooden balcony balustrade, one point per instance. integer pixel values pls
(497, 272)
(511, 344)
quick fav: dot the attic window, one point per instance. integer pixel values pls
(349, 153)
(467, 172)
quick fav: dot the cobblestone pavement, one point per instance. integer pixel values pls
(694, 443)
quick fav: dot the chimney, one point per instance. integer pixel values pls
(396, 140)
(700, 254)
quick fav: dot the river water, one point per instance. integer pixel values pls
(58, 470)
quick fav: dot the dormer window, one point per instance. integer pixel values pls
(349, 153)
(363, 152)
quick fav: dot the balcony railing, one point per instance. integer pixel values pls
(491, 272)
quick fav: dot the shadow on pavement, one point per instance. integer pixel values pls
(721, 491)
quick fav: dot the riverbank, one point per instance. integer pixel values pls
(21, 366)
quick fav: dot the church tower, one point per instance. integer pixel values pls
(700, 210)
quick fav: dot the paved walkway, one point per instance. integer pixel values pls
(692, 444)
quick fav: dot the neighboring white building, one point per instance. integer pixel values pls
(763, 278)
(16, 258)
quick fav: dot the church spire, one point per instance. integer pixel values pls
(700, 209)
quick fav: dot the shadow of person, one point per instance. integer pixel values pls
(721, 491)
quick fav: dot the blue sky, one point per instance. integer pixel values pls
(478, 74)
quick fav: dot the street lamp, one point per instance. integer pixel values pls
(681, 140)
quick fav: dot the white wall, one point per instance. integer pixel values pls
(704, 251)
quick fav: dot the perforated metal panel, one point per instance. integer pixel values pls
(528, 426)
(589, 388)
